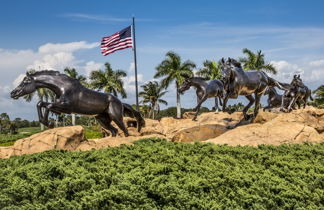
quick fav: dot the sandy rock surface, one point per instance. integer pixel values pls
(296, 127)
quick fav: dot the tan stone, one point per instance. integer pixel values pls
(199, 133)
(298, 126)
(67, 138)
(273, 133)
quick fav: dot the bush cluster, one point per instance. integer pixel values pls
(156, 174)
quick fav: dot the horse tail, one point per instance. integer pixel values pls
(280, 85)
(130, 112)
(310, 96)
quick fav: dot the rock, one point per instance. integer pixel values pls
(298, 126)
(273, 133)
(264, 117)
(199, 133)
(66, 138)
(188, 115)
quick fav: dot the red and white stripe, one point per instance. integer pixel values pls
(113, 43)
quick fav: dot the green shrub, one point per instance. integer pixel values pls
(156, 174)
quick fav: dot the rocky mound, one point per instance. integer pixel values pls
(304, 125)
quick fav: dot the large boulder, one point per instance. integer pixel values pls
(199, 133)
(292, 128)
(66, 138)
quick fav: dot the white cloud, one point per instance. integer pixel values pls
(18, 80)
(311, 76)
(56, 61)
(317, 63)
(66, 47)
(91, 66)
(286, 70)
(129, 83)
(131, 67)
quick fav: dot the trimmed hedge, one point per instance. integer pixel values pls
(156, 174)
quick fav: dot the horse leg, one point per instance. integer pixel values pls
(115, 112)
(105, 122)
(251, 99)
(225, 102)
(256, 106)
(283, 102)
(292, 102)
(43, 118)
(198, 107)
(220, 101)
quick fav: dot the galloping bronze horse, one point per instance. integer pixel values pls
(298, 93)
(240, 82)
(72, 97)
(274, 99)
(215, 88)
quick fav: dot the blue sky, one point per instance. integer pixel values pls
(56, 34)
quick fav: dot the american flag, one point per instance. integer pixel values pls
(117, 41)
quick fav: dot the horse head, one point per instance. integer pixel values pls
(185, 85)
(27, 86)
(227, 69)
(297, 81)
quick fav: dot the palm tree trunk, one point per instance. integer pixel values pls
(178, 102)
(73, 119)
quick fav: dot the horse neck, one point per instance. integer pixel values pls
(50, 82)
(198, 83)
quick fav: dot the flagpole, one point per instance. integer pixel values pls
(135, 61)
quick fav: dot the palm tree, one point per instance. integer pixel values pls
(109, 81)
(255, 61)
(319, 96)
(71, 72)
(152, 93)
(172, 69)
(211, 70)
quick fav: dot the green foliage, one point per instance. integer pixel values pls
(109, 80)
(152, 93)
(256, 61)
(93, 132)
(9, 139)
(156, 174)
(319, 97)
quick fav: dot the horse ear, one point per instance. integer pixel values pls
(229, 59)
(295, 76)
(223, 61)
(27, 73)
(298, 76)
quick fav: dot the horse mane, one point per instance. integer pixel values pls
(199, 78)
(45, 72)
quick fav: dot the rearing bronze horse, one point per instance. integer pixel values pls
(73, 97)
(246, 83)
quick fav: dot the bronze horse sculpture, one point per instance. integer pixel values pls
(246, 83)
(73, 97)
(274, 99)
(298, 94)
(204, 90)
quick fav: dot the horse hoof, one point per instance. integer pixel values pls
(50, 125)
(231, 126)
(194, 119)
